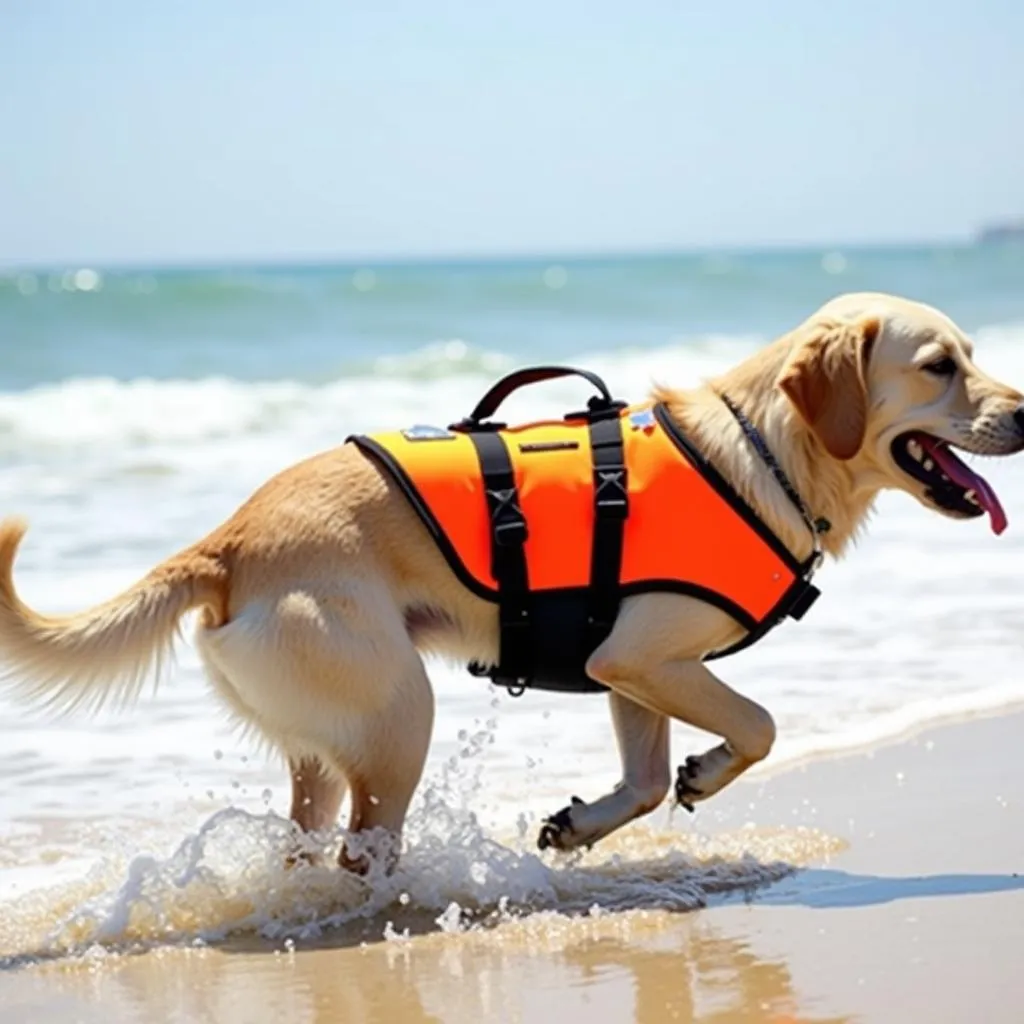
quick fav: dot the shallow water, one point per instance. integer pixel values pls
(139, 408)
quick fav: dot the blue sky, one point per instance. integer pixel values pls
(270, 130)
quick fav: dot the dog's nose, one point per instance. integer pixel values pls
(1018, 417)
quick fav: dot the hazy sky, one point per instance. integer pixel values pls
(256, 129)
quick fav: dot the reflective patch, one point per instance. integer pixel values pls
(641, 418)
(423, 432)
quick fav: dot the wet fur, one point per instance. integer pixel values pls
(318, 597)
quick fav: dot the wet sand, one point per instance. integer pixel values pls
(919, 916)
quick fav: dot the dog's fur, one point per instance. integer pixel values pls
(318, 596)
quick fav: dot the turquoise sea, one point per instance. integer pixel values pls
(322, 323)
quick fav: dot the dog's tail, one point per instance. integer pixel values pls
(103, 655)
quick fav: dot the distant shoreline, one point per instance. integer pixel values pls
(1009, 231)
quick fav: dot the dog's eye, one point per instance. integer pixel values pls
(944, 367)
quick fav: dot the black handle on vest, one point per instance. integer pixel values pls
(488, 405)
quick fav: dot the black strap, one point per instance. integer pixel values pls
(508, 555)
(488, 405)
(816, 526)
(804, 597)
(611, 507)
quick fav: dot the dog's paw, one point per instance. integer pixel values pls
(685, 791)
(556, 831)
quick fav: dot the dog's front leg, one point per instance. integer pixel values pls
(690, 693)
(642, 661)
(643, 738)
(746, 727)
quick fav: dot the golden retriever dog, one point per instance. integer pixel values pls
(318, 596)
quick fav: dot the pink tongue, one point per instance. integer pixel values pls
(963, 475)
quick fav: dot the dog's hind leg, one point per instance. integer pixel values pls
(643, 738)
(317, 794)
(331, 678)
(383, 766)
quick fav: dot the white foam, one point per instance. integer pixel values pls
(230, 876)
(82, 413)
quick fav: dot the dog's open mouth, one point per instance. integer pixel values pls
(952, 484)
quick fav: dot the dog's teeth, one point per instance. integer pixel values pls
(971, 497)
(928, 464)
(915, 450)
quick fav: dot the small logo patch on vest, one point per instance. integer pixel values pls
(423, 432)
(642, 419)
(548, 446)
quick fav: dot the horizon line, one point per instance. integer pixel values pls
(483, 257)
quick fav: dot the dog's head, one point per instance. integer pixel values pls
(891, 387)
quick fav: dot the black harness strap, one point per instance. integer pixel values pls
(611, 507)
(546, 638)
(508, 556)
(817, 526)
(804, 593)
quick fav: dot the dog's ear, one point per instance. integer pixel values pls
(825, 377)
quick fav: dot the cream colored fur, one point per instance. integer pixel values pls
(319, 595)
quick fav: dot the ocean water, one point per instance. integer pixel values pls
(139, 407)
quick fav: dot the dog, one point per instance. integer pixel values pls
(317, 599)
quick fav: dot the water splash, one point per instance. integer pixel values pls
(235, 876)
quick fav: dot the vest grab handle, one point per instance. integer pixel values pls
(488, 405)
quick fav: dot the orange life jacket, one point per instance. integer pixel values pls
(558, 520)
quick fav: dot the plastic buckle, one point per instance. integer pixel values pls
(598, 409)
(509, 523)
(803, 601)
(511, 533)
(468, 425)
(610, 494)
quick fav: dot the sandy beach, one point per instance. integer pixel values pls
(909, 906)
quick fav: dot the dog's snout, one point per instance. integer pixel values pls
(1018, 418)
